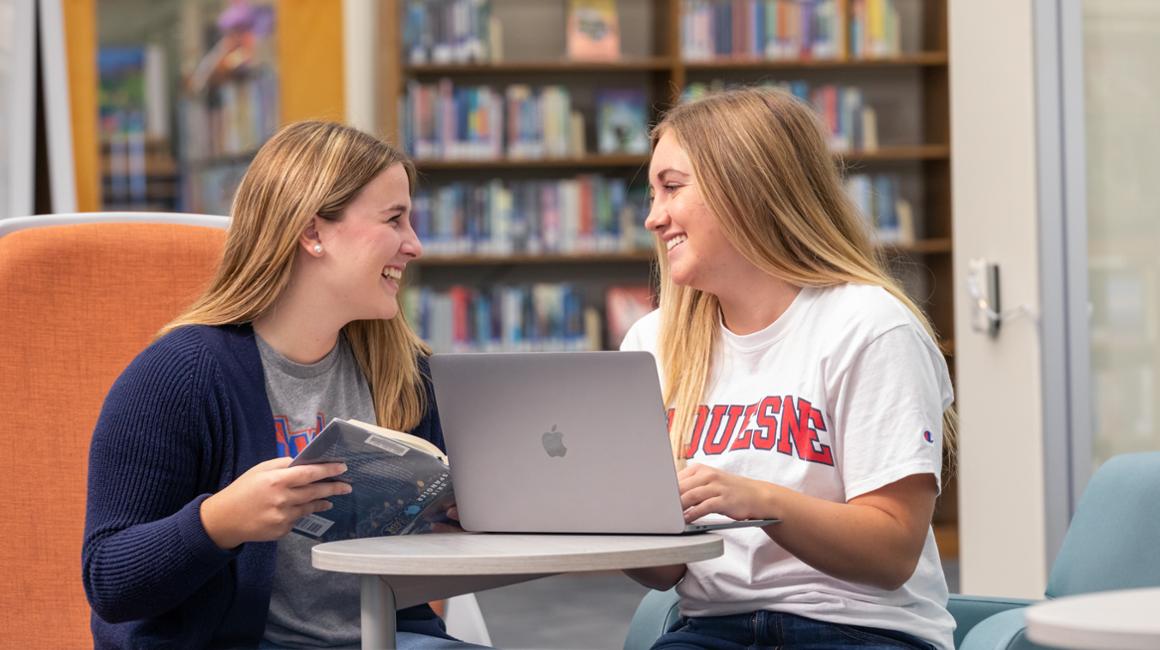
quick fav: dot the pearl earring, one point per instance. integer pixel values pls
(318, 248)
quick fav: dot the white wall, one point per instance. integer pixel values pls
(1001, 484)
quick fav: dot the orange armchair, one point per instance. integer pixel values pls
(80, 296)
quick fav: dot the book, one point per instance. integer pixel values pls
(906, 228)
(593, 30)
(401, 483)
(621, 121)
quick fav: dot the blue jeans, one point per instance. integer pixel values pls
(764, 629)
(414, 634)
(413, 641)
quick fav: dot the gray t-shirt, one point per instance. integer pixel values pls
(309, 607)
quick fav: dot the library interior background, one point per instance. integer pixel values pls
(528, 121)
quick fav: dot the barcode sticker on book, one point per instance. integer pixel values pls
(387, 445)
(313, 525)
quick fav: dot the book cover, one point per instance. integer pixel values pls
(885, 192)
(402, 484)
(906, 228)
(593, 30)
(621, 122)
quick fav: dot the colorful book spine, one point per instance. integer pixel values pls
(762, 29)
(585, 214)
(850, 122)
(888, 213)
(526, 318)
(448, 122)
(874, 29)
(444, 121)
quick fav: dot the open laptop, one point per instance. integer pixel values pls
(569, 442)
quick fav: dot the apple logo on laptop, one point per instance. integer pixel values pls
(554, 443)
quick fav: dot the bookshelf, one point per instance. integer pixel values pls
(138, 172)
(907, 86)
(655, 61)
(593, 161)
(187, 92)
(228, 104)
(930, 59)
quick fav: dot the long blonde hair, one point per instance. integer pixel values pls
(307, 169)
(765, 172)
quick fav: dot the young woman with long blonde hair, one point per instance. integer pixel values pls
(190, 493)
(803, 385)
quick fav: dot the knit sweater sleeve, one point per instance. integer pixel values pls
(145, 549)
(429, 428)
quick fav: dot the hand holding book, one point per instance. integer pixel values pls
(265, 502)
(401, 483)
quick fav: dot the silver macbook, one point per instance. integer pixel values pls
(570, 442)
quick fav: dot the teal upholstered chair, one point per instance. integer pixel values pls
(1110, 544)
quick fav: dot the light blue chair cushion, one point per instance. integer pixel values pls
(1111, 541)
(657, 611)
(1003, 631)
(969, 611)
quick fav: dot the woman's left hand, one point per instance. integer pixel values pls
(706, 490)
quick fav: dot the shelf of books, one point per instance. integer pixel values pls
(529, 124)
(837, 62)
(228, 102)
(137, 165)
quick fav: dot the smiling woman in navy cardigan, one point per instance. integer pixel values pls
(190, 493)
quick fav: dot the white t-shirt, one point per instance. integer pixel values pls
(841, 395)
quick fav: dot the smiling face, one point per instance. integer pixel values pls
(699, 254)
(366, 251)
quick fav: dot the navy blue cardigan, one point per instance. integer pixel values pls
(187, 417)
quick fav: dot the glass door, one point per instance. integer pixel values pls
(1121, 90)
(1099, 219)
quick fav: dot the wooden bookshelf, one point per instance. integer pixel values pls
(240, 158)
(946, 536)
(668, 72)
(138, 175)
(648, 64)
(887, 154)
(530, 258)
(595, 161)
(947, 347)
(919, 59)
(937, 246)
(589, 162)
(920, 247)
(921, 154)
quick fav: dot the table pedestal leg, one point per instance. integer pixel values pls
(378, 614)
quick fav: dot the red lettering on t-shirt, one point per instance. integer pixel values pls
(766, 432)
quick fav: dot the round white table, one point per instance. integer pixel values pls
(399, 572)
(1106, 620)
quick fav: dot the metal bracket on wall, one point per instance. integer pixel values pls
(983, 288)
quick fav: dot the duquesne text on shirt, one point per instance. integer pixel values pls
(783, 423)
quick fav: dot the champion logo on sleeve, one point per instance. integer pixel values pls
(928, 436)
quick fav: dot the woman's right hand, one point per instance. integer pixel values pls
(264, 503)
